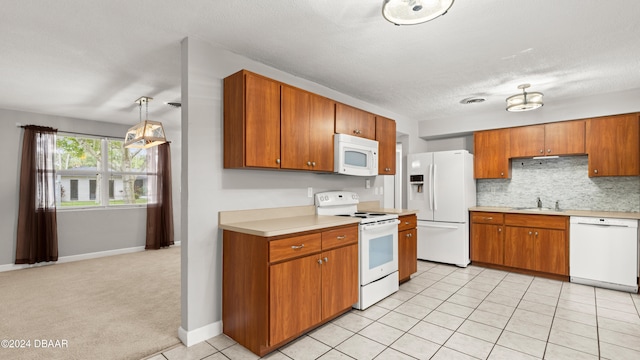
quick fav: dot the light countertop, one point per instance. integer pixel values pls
(586, 213)
(289, 220)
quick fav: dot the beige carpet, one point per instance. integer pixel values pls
(117, 307)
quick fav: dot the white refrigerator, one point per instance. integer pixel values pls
(442, 188)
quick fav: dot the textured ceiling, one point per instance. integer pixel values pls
(92, 59)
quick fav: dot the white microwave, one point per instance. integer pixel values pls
(355, 155)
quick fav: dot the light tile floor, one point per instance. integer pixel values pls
(446, 312)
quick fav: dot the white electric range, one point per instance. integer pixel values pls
(377, 245)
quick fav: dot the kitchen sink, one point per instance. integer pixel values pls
(543, 209)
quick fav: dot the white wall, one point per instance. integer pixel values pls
(208, 188)
(79, 232)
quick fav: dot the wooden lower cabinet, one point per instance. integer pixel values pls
(535, 243)
(407, 247)
(487, 237)
(276, 289)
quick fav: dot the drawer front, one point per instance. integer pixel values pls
(339, 237)
(293, 247)
(408, 222)
(537, 221)
(487, 217)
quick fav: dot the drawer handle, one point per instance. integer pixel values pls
(488, 218)
(407, 223)
(409, 235)
(296, 247)
(341, 237)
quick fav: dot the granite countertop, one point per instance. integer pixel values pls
(586, 213)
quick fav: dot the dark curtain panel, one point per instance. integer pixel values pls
(160, 205)
(37, 235)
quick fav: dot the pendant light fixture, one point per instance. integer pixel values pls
(411, 12)
(146, 133)
(525, 101)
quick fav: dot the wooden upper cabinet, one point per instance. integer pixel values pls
(307, 130)
(386, 136)
(561, 138)
(613, 145)
(322, 120)
(251, 121)
(565, 138)
(356, 122)
(527, 141)
(491, 154)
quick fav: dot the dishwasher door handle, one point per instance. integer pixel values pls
(603, 225)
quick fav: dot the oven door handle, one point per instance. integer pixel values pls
(380, 226)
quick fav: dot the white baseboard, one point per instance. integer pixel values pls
(199, 335)
(70, 258)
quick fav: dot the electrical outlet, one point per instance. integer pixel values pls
(381, 190)
(309, 192)
(367, 183)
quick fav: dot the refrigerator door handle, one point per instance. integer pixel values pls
(438, 226)
(430, 186)
(435, 190)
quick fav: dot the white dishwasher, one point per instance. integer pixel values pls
(603, 252)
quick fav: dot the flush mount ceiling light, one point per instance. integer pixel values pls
(525, 101)
(146, 133)
(411, 12)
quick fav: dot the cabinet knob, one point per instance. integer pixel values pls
(326, 259)
(536, 233)
(595, 171)
(501, 174)
(308, 163)
(499, 229)
(320, 261)
(357, 131)
(541, 151)
(409, 235)
(277, 161)
(530, 233)
(313, 163)
(387, 169)
(548, 151)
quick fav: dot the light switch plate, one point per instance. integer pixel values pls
(309, 192)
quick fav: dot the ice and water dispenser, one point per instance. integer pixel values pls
(417, 185)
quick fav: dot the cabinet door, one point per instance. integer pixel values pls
(386, 136)
(321, 118)
(487, 243)
(339, 280)
(550, 251)
(491, 154)
(407, 253)
(295, 128)
(518, 247)
(294, 297)
(564, 138)
(527, 141)
(356, 122)
(613, 145)
(262, 122)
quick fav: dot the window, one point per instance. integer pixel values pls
(99, 172)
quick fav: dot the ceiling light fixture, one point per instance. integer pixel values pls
(146, 133)
(411, 12)
(525, 101)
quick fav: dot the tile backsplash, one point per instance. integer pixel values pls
(564, 179)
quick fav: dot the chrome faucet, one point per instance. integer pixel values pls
(539, 203)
